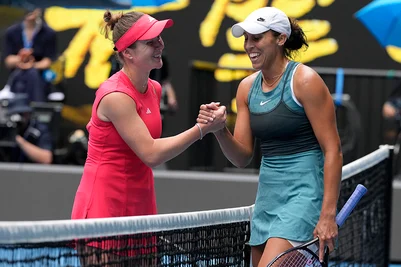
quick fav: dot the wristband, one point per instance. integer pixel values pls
(200, 131)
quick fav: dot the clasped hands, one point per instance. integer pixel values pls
(26, 59)
(212, 117)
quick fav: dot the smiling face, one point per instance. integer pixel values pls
(147, 53)
(263, 48)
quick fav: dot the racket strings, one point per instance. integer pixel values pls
(298, 257)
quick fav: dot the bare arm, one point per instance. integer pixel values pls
(12, 61)
(120, 109)
(34, 153)
(238, 149)
(315, 97)
(171, 97)
(43, 64)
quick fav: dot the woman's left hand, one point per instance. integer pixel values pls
(327, 231)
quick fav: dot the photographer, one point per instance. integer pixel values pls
(33, 139)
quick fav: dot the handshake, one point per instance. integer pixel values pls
(212, 117)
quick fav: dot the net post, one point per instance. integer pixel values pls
(389, 200)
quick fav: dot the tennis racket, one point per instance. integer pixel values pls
(303, 255)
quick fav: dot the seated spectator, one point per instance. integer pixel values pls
(28, 51)
(33, 139)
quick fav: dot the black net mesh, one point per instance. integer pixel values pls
(364, 237)
(217, 245)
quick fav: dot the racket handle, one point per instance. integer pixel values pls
(350, 204)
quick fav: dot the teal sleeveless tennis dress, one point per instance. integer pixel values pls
(290, 190)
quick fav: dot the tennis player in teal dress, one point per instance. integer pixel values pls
(287, 106)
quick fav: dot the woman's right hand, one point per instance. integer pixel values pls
(212, 117)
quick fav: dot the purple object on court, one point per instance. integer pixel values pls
(359, 192)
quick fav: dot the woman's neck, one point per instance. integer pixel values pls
(140, 82)
(275, 69)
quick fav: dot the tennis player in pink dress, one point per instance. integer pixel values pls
(125, 128)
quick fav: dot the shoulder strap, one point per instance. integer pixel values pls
(254, 86)
(288, 71)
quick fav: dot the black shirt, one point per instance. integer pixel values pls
(37, 134)
(43, 43)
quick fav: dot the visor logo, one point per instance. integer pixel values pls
(261, 19)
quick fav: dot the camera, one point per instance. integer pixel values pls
(8, 126)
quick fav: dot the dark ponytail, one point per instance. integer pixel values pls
(295, 41)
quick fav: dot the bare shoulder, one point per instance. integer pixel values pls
(246, 83)
(117, 99)
(248, 80)
(115, 104)
(307, 80)
(305, 74)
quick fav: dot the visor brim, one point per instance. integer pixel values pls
(157, 29)
(253, 28)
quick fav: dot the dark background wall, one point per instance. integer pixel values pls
(357, 48)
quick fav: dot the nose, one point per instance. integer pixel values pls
(160, 42)
(248, 45)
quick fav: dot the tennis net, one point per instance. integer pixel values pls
(205, 238)
(364, 239)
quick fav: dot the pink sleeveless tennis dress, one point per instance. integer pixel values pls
(115, 182)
